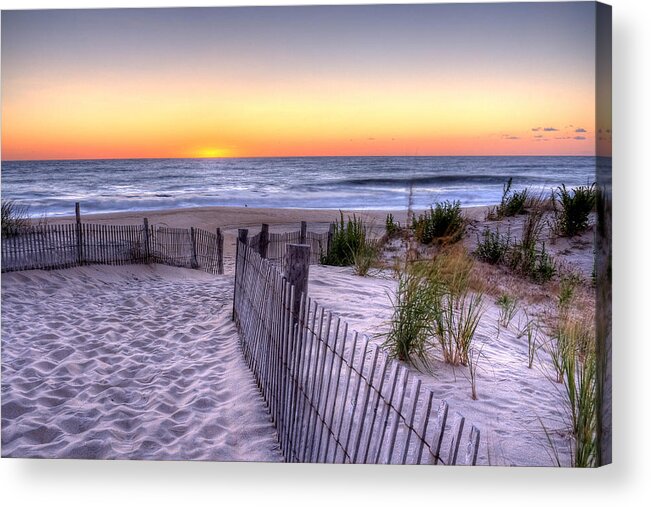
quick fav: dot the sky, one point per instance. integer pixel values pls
(446, 79)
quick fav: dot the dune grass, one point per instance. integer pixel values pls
(411, 324)
(441, 224)
(572, 208)
(527, 257)
(392, 227)
(508, 307)
(513, 202)
(492, 247)
(348, 238)
(365, 257)
(14, 216)
(579, 369)
(436, 305)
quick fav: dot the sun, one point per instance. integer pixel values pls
(212, 153)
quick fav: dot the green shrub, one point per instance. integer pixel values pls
(527, 257)
(348, 238)
(575, 207)
(512, 203)
(442, 223)
(392, 227)
(14, 216)
(492, 247)
(528, 261)
(545, 267)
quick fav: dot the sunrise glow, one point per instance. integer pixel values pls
(421, 80)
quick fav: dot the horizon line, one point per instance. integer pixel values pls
(289, 156)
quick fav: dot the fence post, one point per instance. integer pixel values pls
(331, 234)
(220, 252)
(303, 239)
(297, 270)
(242, 237)
(146, 229)
(80, 238)
(263, 245)
(194, 264)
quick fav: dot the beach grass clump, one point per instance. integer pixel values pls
(572, 208)
(14, 217)
(457, 304)
(365, 257)
(579, 364)
(566, 291)
(348, 239)
(536, 264)
(492, 247)
(508, 306)
(436, 304)
(443, 224)
(531, 330)
(411, 324)
(526, 257)
(451, 268)
(512, 203)
(473, 362)
(456, 319)
(391, 226)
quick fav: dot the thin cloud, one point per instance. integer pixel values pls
(538, 136)
(580, 130)
(579, 138)
(550, 129)
(510, 137)
(536, 129)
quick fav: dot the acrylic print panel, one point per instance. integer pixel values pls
(338, 234)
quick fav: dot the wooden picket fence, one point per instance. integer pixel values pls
(333, 395)
(277, 243)
(80, 244)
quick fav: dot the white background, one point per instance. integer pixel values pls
(69, 482)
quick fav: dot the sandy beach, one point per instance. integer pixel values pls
(143, 361)
(129, 362)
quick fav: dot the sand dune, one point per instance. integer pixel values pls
(127, 362)
(513, 400)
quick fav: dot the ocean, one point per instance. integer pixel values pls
(51, 188)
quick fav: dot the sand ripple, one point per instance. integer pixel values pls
(127, 363)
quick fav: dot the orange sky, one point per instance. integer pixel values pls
(63, 100)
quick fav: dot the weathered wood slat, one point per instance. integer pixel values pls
(333, 397)
(67, 245)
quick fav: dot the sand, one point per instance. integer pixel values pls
(128, 362)
(138, 362)
(512, 399)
